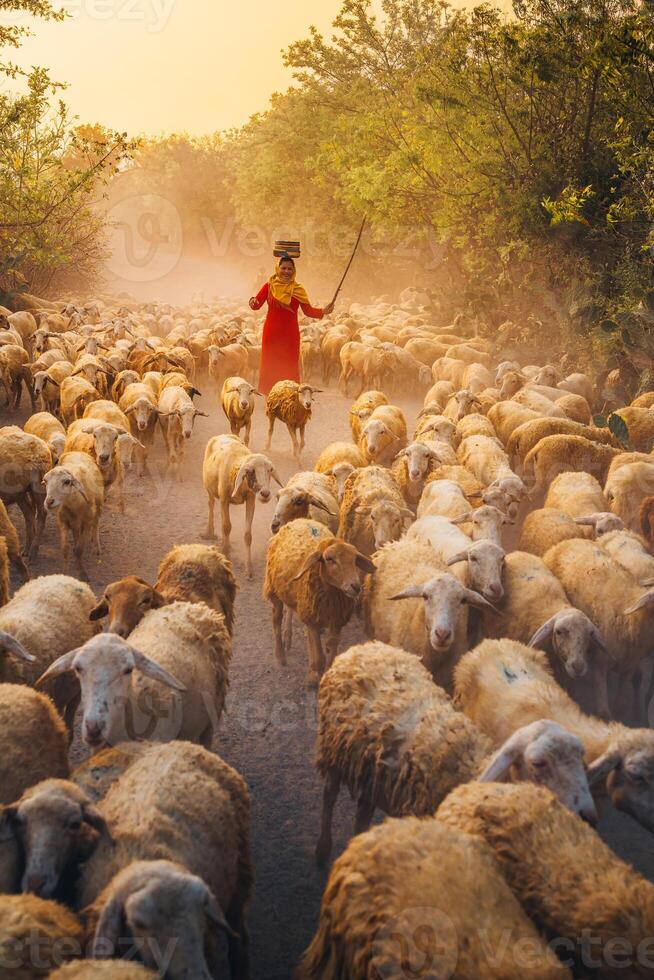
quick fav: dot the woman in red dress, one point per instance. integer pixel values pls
(280, 346)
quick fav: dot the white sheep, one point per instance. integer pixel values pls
(373, 510)
(234, 475)
(75, 490)
(177, 415)
(383, 435)
(237, 402)
(479, 565)
(502, 685)
(430, 619)
(183, 647)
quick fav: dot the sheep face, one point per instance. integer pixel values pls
(293, 503)
(388, 522)
(443, 429)
(51, 821)
(157, 900)
(486, 562)
(305, 396)
(547, 376)
(104, 668)
(57, 443)
(493, 496)
(377, 437)
(418, 457)
(487, 523)
(61, 487)
(245, 400)
(548, 755)
(630, 782)
(125, 603)
(512, 382)
(572, 636)
(144, 413)
(465, 403)
(340, 472)
(40, 379)
(104, 442)
(341, 566)
(256, 472)
(443, 596)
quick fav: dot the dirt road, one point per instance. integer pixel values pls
(268, 734)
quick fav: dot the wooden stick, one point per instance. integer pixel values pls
(347, 268)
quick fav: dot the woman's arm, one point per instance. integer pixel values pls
(256, 302)
(316, 313)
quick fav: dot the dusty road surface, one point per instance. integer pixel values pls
(268, 733)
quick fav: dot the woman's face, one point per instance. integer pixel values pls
(286, 271)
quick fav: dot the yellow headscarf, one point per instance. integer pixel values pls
(284, 292)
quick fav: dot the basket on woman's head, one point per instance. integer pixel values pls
(287, 250)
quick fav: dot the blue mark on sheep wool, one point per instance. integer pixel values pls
(314, 531)
(509, 674)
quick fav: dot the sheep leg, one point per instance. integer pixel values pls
(78, 551)
(271, 426)
(316, 657)
(226, 525)
(64, 544)
(20, 566)
(248, 426)
(95, 533)
(302, 443)
(210, 533)
(330, 793)
(40, 515)
(250, 501)
(277, 616)
(331, 645)
(28, 510)
(364, 814)
(288, 628)
(291, 432)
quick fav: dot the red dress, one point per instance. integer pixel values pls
(280, 346)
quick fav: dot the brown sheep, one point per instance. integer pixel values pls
(188, 573)
(291, 403)
(318, 577)
(36, 936)
(362, 409)
(554, 864)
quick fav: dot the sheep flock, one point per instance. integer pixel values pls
(464, 580)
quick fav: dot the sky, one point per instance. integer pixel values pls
(155, 66)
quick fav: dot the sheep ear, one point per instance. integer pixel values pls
(216, 914)
(241, 476)
(408, 514)
(402, 452)
(411, 592)
(599, 769)
(194, 391)
(60, 666)
(99, 611)
(543, 634)
(155, 671)
(642, 603)
(80, 489)
(597, 638)
(365, 564)
(107, 931)
(462, 518)
(474, 599)
(455, 559)
(94, 818)
(312, 560)
(275, 477)
(587, 521)
(321, 506)
(500, 764)
(15, 648)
